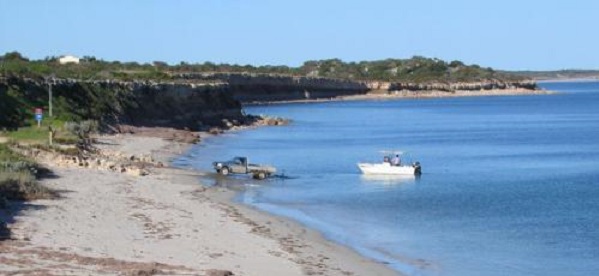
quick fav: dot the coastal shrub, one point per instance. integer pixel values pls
(83, 130)
(22, 185)
(18, 181)
(18, 166)
(18, 177)
(11, 115)
(13, 183)
(414, 69)
(8, 155)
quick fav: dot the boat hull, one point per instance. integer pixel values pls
(387, 169)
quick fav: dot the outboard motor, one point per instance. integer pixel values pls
(417, 168)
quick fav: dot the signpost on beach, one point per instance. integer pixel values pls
(38, 116)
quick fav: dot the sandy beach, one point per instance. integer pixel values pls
(164, 223)
(395, 95)
(444, 94)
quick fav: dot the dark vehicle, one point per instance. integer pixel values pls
(240, 165)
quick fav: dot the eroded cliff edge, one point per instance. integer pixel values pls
(273, 88)
(115, 103)
(196, 101)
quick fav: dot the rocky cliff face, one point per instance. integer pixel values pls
(270, 87)
(194, 101)
(265, 87)
(179, 105)
(460, 86)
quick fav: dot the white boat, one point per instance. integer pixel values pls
(386, 168)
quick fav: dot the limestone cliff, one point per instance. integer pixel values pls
(272, 87)
(178, 105)
(196, 100)
(461, 86)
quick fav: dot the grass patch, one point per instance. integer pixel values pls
(7, 155)
(40, 135)
(29, 134)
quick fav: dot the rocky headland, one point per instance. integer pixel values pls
(200, 101)
(276, 88)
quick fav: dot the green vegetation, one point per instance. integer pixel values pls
(7, 155)
(416, 69)
(33, 134)
(18, 177)
(82, 131)
(71, 102)
(24, 86)
(18, 181)
(29, 134)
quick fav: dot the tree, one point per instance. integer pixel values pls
(89, 59)
(456, 63)
(83, 131)
(13, 56)
(160, 64)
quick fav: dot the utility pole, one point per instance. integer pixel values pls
(50, 82)
(50, 97)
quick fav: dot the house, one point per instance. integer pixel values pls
(68, 59)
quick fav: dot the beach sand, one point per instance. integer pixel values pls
(396, 95)
(443, 94)
(165, 223)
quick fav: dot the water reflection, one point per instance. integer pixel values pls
(234, 182)
(231, 182)
(388, 179)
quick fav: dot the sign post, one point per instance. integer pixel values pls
(38, 116)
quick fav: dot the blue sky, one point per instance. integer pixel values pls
(506, 34)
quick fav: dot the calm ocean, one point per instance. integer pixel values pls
(510, 184)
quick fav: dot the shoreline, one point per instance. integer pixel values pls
(590, 79)
(398, 95)
(310, 238)
(166, 222)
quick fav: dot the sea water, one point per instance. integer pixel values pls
(510, 184)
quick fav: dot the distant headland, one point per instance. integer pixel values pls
(559, 75)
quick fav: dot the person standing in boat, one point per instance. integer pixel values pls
(396, 161)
